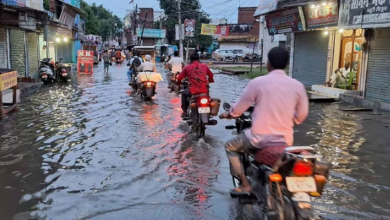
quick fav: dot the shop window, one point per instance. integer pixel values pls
(351, 54)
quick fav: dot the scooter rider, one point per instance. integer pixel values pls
(134, 63)
(176, 64)
(187, 72)
(278, 101)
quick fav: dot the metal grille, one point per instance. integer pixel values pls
(378, 68)
(310, 57)
(18, 56)
(3, 49)
(32, 45)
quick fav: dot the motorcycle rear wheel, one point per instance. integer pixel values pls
(201, 128)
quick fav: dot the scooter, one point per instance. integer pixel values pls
(46, 71)
(61, 71)
(148, 90)
(174, 86)
(283, 178)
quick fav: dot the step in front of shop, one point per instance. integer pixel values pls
(333, 92)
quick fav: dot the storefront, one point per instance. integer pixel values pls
(370, 52)
(3, 49)
(33, 54)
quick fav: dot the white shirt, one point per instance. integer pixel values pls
(147, 66)
(176, 63)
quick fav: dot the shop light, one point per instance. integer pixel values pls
(324, 3)
(58, 39)
(326, 32)
(313, 6)
(65, 39)
(330, 3)
(341, 30)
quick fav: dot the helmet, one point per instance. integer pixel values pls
(148, 57)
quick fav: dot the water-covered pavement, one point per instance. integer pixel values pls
(92, 150)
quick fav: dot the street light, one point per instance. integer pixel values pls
(58, 39)
(65, 39)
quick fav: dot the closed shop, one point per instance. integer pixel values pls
(3, 48)
(65, 50)
(17, 51)
(378, 75)
(33, 57)
(310, 57)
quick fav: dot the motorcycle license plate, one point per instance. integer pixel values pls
(301, 184)
(204, 110)
(44, 76)
(64, 74)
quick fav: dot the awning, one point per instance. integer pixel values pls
(265, 7)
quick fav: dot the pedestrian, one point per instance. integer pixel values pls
(106, 60)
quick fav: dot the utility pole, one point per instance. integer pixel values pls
(135, 22)
(143, 28)
(180, 30)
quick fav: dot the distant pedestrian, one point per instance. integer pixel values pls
(106, 60)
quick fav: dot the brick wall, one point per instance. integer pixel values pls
(149, 19)
(245, 16)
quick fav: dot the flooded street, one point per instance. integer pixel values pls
(91, 149)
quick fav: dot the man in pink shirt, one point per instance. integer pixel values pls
(279, 102)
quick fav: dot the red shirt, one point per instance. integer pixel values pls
(188, 69)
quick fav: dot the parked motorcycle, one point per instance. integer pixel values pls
(61, 72)
(174, 86)
(46, 71)
(200, 112)
(249, 57)
(283, 178)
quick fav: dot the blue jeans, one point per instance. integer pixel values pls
(129, 73)
(106, 66)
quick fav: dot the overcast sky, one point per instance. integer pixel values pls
(216, 8)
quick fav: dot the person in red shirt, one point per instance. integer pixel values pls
(186, 72)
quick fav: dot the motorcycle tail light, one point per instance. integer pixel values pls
(149, 84)
(204, 101)
(320, 178)
(276, 177)
(63, 71)
(303, 168)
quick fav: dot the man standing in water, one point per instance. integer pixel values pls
(106, 60)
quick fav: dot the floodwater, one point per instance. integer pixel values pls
(91, 149)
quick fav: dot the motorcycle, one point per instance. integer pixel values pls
(118, 61)
(46, 71)
(61, 72)
(174, 86)
(200, 112)
(148, 90)
(249, 57)
(283, 179)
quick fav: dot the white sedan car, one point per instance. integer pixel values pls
(227, 55)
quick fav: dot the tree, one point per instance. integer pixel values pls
(190, 10)
(46, 4)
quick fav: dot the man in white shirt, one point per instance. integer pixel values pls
(340, 75)
(177, 64)
(147, 66)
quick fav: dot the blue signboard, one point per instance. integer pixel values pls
(21, 3)
(151, 33)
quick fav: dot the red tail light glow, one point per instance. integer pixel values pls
(303, 168)
(63, 70)
(204, 101)
(149, 84)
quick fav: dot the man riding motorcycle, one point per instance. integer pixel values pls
(134, 63)
(176, 64)
(278, 101)
(145, 67)
(191, 71)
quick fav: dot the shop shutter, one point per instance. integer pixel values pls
(310, 57)
(65, 50)
(378, 67)
(32, 45)
(17, 51)
(3, 49)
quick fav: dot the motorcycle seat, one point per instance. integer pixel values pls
(298, 149)
(269, 155)
(200, 95)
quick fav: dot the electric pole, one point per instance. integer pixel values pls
(180, 30)
(135, 22)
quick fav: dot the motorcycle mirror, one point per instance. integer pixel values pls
(226, 106)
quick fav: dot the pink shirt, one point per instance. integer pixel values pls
(278, 100)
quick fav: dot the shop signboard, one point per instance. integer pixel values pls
(364, 14)
(21, 3)
(265, 6)
(189, 28)
(8, 80)
(151, 33)
(321, 15)
(85, 61)
(286, 21)
(35, 4)
(215, 30)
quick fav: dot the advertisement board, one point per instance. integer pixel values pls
(189, 28)
(85, 61)
(152, 33)
(364, 14)
(286, 21)
(21, 3)
(35, 4)
(321, 15)
(8, 80)
(214, 30)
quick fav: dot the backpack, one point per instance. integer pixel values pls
(197, 81)
(136, 63)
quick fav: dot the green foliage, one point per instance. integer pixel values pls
(191, 9)
(100, 21)
(46, 4)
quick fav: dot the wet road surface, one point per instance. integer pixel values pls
(92, 150)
